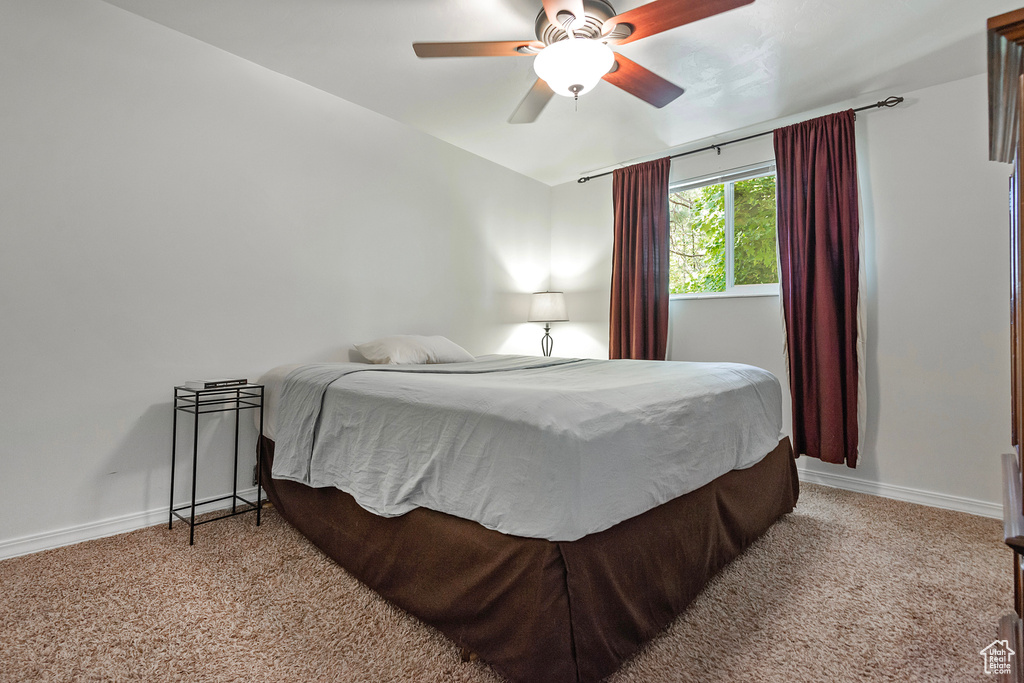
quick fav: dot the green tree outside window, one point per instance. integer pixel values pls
(700, 229)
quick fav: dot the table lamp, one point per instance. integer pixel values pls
(547, 308)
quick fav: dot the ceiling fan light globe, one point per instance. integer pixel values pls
(573, 66)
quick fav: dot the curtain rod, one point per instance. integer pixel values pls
(887, 102)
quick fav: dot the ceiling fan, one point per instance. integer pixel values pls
(573, 48)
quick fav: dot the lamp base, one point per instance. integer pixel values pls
(546, 342)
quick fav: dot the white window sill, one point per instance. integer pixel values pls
(720, 295)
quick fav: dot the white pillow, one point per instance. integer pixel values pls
(403, 349)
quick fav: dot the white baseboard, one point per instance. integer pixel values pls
(141, 520)
(107, 527)
(936, 500)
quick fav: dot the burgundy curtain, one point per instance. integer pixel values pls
(818, 226)
(639, 308)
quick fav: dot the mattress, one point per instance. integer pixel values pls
(535, 447)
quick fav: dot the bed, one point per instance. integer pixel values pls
(539, 517)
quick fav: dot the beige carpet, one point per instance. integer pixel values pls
(846, 588)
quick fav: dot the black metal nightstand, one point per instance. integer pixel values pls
(217, 400)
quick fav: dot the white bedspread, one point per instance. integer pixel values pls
(544, 448)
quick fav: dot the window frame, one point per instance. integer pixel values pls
(728, 178)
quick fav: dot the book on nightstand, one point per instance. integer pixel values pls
(221, 383)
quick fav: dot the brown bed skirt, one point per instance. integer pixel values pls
(539, 610)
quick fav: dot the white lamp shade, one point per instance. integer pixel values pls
(573, 62)
(547, 307)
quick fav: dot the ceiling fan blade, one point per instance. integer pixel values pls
(533, 104)
(642, 83)
(553, 7)
(662, 15)
(497, 48)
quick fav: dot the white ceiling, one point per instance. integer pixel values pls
(754, 64)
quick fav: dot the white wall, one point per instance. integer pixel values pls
(169, 211)
(934, 213)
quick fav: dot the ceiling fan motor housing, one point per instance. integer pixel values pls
(597, 13)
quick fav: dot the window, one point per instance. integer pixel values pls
(723, 234)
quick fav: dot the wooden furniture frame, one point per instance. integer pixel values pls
(1006, 137)
(1006, 101)
(1013, 525)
